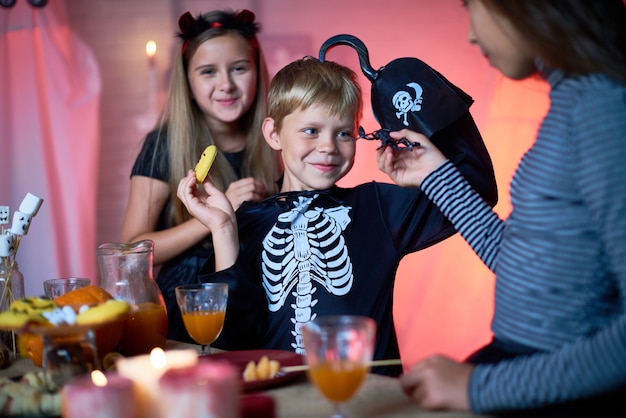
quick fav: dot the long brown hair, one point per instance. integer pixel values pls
(575, 36)
(183, 123)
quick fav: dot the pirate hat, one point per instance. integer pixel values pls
(407, 93)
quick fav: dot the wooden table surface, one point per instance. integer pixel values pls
(379, 397)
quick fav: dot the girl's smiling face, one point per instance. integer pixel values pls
(317, 148)
(223, 78)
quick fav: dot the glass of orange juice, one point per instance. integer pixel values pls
(338, 352)
(203, 308)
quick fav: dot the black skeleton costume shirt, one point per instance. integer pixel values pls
(336, 251)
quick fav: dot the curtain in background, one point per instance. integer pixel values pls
(49, 137)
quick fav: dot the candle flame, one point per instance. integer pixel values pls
(157, 358)
(151, 48)
(98, 378)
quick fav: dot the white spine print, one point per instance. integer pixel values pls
(306, 246)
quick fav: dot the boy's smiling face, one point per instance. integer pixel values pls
(317, 148)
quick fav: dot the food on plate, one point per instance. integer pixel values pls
(25, 310)
(63, 310)
(10, 319)
(86, 306)
(103, 312)
(31, 396)
(205, 163)
(32, 305)
(88, 295)
(264, 369)
(40, 380)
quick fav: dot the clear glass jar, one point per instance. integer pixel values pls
(11, 285)
(11, 289)
(126, 273)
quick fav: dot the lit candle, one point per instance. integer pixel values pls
(146, 370)
(153, 87)
(210, 389)
(151, 52)
(99, 396)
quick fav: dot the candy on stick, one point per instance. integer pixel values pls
(4, 215)
(21, 223)
(7, 245)
(30, 204)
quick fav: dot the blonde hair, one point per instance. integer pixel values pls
(183, 122)
(309, 81)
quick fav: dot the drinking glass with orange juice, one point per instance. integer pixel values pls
(203, 308)
(338, 352)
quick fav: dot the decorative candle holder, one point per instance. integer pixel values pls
(106, 396)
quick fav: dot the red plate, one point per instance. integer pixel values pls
(241, 358)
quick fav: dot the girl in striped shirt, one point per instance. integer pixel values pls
(559, 325)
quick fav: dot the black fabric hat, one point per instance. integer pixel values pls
(407, 93)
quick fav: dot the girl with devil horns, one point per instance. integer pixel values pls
(217, 96)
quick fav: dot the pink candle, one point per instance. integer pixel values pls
(99, 396)
(146, 370)
(212, 389)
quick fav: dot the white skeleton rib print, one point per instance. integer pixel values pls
(303, 247)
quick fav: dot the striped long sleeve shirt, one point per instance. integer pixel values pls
(560, 256)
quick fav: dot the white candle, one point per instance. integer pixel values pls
(151, 52)
(210, 389)
(146, 370)
(99, 396)
(153, 88)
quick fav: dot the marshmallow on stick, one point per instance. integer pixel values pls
(21, 223)
(7, 245)
(4, 215)
(31, 204)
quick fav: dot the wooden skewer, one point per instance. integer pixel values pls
(301, 368)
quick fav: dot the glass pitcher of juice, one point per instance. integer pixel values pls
(126, 273)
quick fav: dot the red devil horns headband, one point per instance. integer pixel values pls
(241, 21)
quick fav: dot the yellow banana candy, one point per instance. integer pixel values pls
(10, 319)
(32, 305)
(205, 163)
(25, 310)
(102, 313)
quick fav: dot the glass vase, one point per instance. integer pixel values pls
(126, 273)
(11, 289)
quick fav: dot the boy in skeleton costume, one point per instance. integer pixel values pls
(317, 249)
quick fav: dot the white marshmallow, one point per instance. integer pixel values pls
(21, 223)
(31, 204)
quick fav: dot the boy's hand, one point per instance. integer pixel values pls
(214, 210)
(409, 167)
